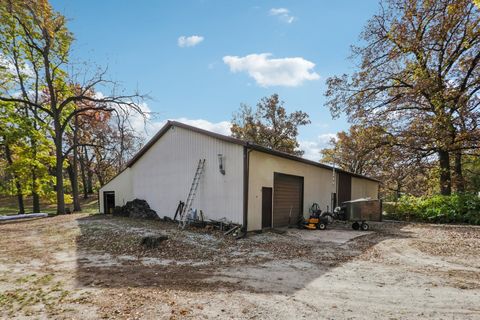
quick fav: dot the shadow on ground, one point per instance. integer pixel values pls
(110, 255)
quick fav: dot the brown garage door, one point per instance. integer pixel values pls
(287, 199)
(344, 187)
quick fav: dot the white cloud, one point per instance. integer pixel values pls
(290, 72)
(283, 14)
(325, 138)
(150, 126)
(190, 41)
(278, 11)
(222, 127)
(8, 66)
(142, 124)
(312, 148)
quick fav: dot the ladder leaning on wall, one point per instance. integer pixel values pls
(192, 193)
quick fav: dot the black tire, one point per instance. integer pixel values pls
(328, 216)
(322, 226)
(355, 226)
(364, 226)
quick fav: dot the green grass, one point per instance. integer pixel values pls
(9, 206)
(32, 291)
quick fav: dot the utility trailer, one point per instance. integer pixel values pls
(360, 211)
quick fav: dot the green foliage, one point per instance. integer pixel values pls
(270, 125)
(30, 151)
(471, 173)
(49, 122)
(9, 206)
(456, 208)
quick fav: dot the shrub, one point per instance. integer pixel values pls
(456, 208)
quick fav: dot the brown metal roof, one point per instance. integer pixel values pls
(249, 145)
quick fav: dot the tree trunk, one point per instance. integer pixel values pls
(82, 173)
(89, 181)
(59, 168)
(100, 179)
(70, 173)
(33, 144)
(36, 202)
(74, 177)
(459, 180)
(35, 196)
(21, 205)
(18, 185)
(445, 175)
(74, 181)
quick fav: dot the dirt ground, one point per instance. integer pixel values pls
(90, 267)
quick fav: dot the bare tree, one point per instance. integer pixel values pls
(35, 37)
(418, 75)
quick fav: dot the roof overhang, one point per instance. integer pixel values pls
(240, 142)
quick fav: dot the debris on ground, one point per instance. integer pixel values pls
(195, 220)
(151, 242)
(135, 209)
(23, 216)
(93, 267)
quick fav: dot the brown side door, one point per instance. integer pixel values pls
(266, 207)
(287, 199)
(344, 187)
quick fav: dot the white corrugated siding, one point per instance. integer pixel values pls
(363, 188)
(122, 185)
(164, 174)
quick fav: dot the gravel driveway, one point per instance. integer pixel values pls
(90, 267)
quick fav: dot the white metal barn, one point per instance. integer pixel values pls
(242, 182)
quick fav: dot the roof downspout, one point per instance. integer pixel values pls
(246, 169)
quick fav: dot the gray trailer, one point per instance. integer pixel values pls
(360, 211)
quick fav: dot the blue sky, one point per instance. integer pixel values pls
(205, 78)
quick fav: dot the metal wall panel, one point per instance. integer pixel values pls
(363, 188)
(164, 174)
(122, 185)
(318, 183)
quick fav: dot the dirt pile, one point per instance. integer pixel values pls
(135, 209)
(151, 242)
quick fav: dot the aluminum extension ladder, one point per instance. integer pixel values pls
(192, 193)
